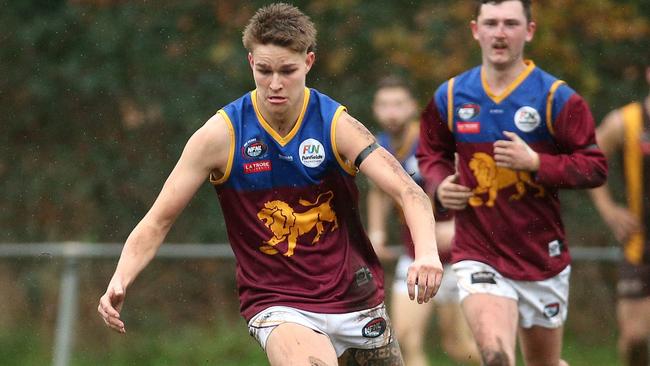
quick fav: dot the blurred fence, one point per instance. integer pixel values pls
(73, 252)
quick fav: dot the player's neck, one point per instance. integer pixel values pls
(284, 121)
(499, 78)
(403, 137)
(398, 136)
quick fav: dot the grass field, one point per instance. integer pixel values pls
(226, 346)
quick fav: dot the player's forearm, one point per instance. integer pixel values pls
(579, 163)
(602, 199)
(139, 249)
(418, 213)
(583, 169)
(376, 217)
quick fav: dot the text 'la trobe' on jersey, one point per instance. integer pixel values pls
(512, 222)
(290, 205)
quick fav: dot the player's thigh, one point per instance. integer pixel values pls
(452, 323)
(489, 303)
(634, 317)
(493, 322)
(409, 318)
(387, 355)
(295, 344)
(541, 346)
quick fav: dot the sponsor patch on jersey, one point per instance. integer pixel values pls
(483, 277)
(257, 167)
(551, 310)
(362, 276)
(374, 328)
(468, 111)
(312, 153)
(554, 248)
(285, 157)
(468, 127)
(527, 119)
(254, 149)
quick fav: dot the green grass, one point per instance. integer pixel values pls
(228, 345)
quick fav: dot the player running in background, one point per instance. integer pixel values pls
(627, 131)
(520, 135)
(395, 108)
(283, 160)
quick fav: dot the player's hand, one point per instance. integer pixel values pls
(622, 222)
(425, 274)
(515, 154)
(453, 196)
(110, 304)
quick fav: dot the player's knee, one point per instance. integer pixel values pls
(495, 358)
(635, 351)
(631, 337)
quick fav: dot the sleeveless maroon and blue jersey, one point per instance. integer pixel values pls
(291, 210)
(513, 220)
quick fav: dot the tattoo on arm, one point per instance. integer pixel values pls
(361, 128)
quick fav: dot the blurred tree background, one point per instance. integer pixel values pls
(99, 96)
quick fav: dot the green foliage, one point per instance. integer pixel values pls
(99, 96)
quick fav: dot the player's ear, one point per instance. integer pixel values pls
(310, 59)
(530, 27)
(251, 62)
(473, 25)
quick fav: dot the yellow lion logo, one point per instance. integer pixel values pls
(492, 179)
(286, 224)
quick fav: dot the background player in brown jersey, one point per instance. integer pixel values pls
(395, 109)
(280, 157)
(626, 131)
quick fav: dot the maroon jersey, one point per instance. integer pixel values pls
(290, 205)
(513, 221)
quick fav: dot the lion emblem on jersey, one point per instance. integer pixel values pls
(288, 225)
(491, 179)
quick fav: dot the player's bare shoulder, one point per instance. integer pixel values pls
(351, 136)
(211, 144)
(350, 125)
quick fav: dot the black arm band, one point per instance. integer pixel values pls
(364, 153)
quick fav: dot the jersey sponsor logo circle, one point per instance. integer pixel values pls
(527, 119)
(312, 153)
(254, 148)
(374, 328)
(468, 111)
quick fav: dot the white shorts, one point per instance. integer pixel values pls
(447, 293)
(543, 303)
(365, 329)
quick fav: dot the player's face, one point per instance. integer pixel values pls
(393, 108)
(279, 75)
(502, 31)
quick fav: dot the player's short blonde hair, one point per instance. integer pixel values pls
(282, 25)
